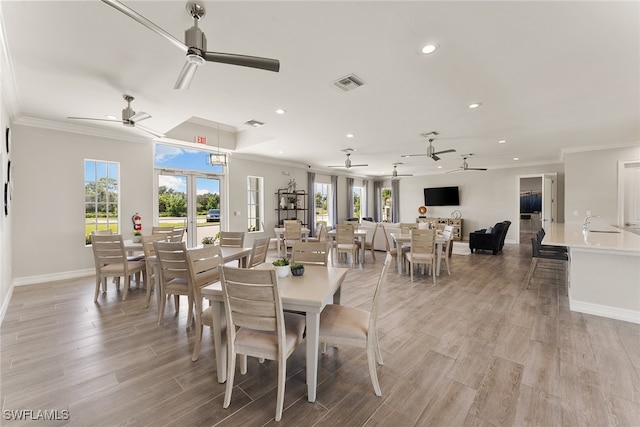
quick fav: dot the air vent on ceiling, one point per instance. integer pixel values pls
(348, 83)
(254, 123)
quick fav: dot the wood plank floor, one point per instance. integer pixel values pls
(475, 349)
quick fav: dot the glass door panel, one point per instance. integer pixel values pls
(173, 200)
(208, 211)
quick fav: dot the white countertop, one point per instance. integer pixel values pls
(597, 236)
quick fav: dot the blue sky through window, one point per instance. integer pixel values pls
(170, 156)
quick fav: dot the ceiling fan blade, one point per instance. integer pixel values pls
(456, 170)
(445, 151)
(186, 75)
(243, 60)
(139, 116)
(476, 169)
(355, 166)
(413, 155)
(434, 157)
(144, 21)
(151, 131)
(91, 118)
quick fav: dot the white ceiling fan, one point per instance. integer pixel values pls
(129, 118)
(431, 151)
(195, 45)
(465, 165)
(347, 161)
(395, 173)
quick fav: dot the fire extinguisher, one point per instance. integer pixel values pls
(137, 222)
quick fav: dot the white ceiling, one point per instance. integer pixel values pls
(551, 76)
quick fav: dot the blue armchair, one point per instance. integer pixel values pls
(492, 241)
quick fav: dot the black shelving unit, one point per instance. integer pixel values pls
(295, 206)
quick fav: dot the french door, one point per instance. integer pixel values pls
(183, 200)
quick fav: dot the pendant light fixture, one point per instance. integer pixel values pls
(218, 159)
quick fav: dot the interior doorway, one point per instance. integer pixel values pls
(537, 207)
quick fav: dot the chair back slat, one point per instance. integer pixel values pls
(108, 249)
(252, 299)
(344, 234)
(172, 259)
(310, 253)
(203, 266)
(423, 241)
(259, 251)
(232, 239)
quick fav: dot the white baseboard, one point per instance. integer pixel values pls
(623, 314)
(65, 275)
(5, 304)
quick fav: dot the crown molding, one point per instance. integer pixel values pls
(82, 130)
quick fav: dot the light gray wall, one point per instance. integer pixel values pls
(592, 182)
(49, 197)
(5, 221)
(485, 197)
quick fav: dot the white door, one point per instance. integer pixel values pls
(547, 218)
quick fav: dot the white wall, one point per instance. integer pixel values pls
(5, 221)
(485, 197)
(592, 183)
(48, 208)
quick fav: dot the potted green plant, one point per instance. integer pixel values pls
(137, 237)
(282, 267)
(297, 269)
(292, 202)
(207, 241)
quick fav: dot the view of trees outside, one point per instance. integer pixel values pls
(322, 207)
(101, 190)
(386, 204)
(172, 203)
(357, 201)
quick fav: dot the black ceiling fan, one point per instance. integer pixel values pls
(431, 151)
(195, 45)
(129, 118)
(465, 165)
(347, 161)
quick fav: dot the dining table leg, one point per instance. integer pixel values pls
(313, 343)
(219, 343)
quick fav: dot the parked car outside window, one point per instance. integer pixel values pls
(213, 215)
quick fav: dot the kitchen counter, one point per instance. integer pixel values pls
(604, 269)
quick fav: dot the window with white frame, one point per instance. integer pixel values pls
(322, 203)
(358, 202)
(101, 197)
(387, 204)
(255, 203)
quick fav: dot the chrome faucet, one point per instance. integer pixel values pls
(586, 220)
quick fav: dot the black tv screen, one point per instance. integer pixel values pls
(441, 196)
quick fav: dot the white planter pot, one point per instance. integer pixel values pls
(283, 271)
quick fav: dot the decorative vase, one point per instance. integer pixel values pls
(297, 271)
(282, 270)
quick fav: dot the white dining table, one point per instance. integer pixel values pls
(309, 293)
(359, 234)
(279, 232)
(400, 238)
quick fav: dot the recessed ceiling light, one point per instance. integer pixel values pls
(502, 141)
(280, 111)
(474, 105)
(516, 158)
(110, 117)
(429, 48)
(350, 135)
(439, 167)
(280, 152)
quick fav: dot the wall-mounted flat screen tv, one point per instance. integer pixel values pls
(441, 196)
